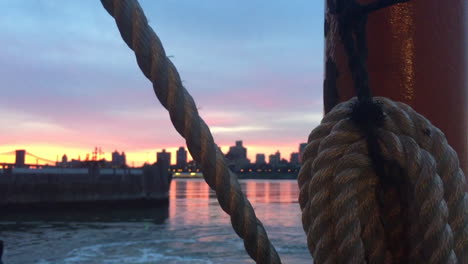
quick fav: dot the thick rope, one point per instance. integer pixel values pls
(154, 64)
(380, 184)
(340, 208)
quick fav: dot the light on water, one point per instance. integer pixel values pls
(192, 229)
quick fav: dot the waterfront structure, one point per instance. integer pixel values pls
(272, 160)
(260, 159)
(118, 160)
(163, 157)
(237, 152)
(54, 186)
(294, 160)
(275, 159)
(76, 163)
(181, 158)
(64, 162)
(237, 157)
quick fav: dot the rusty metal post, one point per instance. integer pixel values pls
(417, 55)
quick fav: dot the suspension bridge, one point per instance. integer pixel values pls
(19, 157)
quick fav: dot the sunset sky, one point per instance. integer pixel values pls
(69, 82)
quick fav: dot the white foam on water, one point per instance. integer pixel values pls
(129, 252)
(147, 256)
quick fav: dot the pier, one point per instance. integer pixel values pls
(53, 187)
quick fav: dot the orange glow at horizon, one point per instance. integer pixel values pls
(135, 157)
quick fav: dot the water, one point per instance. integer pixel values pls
(192, 229)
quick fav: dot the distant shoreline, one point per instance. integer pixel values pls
(244, 175)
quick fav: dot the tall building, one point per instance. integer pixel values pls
(181, 156)
(274, 159)
(237, 152)
(163, 157)
(294, 158)
(237, 156)
(302, 147)
(260, 159)
(118, 159)
(278, 155)
(123, 159)
(115, 158)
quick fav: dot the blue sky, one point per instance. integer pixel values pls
(69, 82)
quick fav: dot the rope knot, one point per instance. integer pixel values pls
(368, 113)
(419, 214)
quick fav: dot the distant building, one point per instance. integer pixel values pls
(115, 157)
(237, 152)
(294, 160)
(237, 156)
(193, 166)
(63, 163)
(260, 159)
(164, 157)
(123, 159)
(73, 164)
(274, 159)
(302, 147)
(181, 156)
(118, 160)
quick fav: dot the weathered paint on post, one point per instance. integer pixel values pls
(417, 55)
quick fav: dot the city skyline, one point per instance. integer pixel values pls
(151, 155)
(254, 73)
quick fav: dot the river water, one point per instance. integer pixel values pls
(192, 229)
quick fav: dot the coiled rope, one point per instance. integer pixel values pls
(340, 207)
(155, 65)
(379, 183)
(400, 199)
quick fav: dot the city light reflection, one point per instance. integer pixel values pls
(194, 199)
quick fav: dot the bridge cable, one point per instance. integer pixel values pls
(40, 158)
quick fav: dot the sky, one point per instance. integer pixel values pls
(69, 82)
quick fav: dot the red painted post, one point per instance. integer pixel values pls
(417, 55)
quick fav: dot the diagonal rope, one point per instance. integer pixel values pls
(154, 64)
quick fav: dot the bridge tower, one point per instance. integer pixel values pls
(20, 158)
